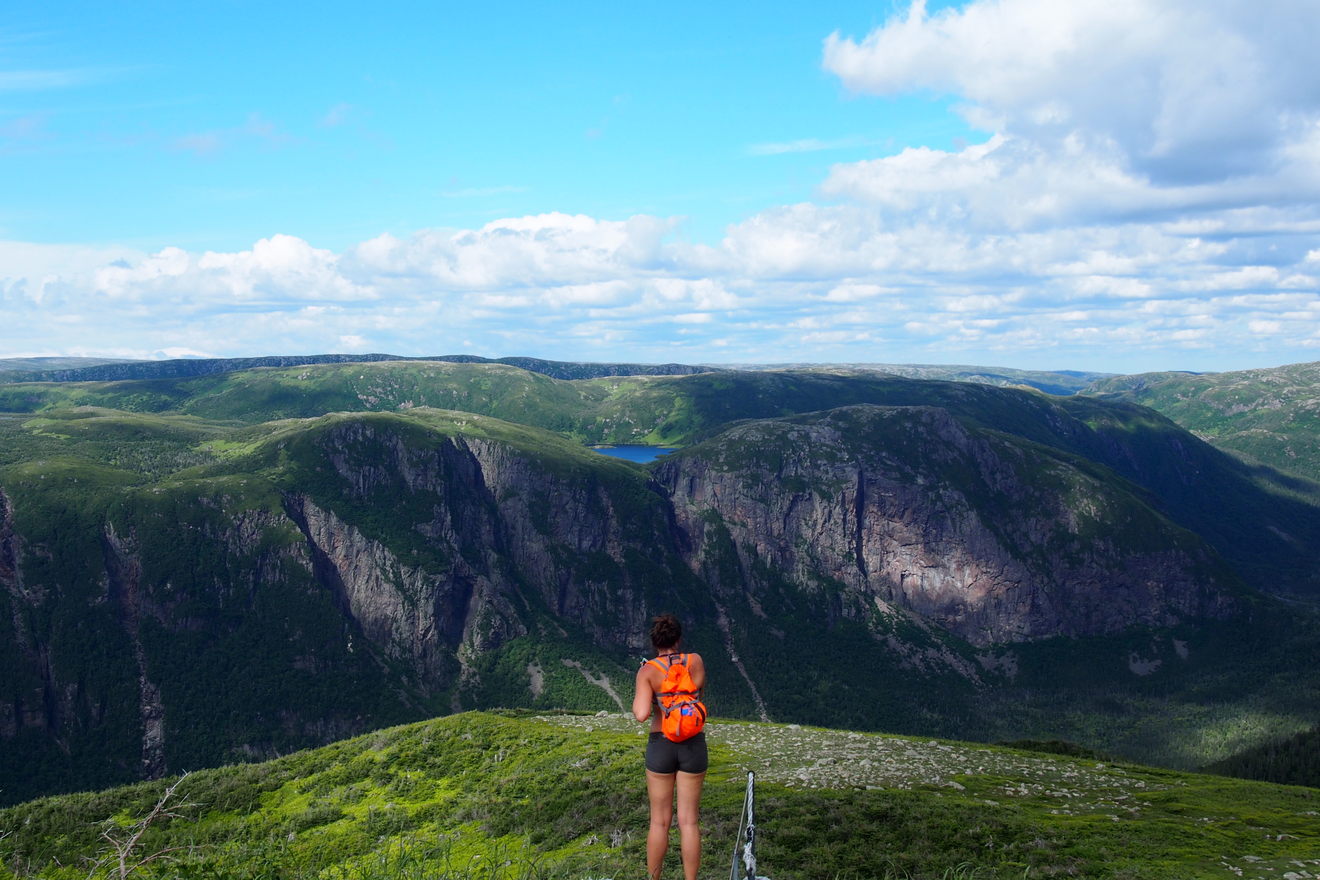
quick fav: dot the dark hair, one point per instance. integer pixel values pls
(665, 631)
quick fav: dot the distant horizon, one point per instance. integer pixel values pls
(732, 365)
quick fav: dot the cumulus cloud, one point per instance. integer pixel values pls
(800, 282)
(545, 250)
(1100, 108)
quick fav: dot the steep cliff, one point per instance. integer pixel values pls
(524, 523)
(995, 540)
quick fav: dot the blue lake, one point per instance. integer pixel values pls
(641, 454)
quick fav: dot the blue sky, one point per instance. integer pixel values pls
(1097, 185)
(172, 125)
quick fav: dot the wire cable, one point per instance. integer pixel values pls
(746, 836)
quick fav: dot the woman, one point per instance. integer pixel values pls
(671, 767)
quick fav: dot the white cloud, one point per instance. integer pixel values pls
(119, 279)
(1102, 109)
(517, 252)
(808, 145)
(1206, 82)
(801, 282)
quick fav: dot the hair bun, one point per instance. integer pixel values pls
(665, 631)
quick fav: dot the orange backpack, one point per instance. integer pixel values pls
(681, 712)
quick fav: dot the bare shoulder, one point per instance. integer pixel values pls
(648, 673)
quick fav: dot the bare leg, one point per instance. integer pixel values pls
(689, 808)
(660, 790)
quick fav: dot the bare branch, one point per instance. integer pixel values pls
(121, 849)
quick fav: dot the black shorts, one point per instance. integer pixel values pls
(689, 756)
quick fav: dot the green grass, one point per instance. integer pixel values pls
(490, 797)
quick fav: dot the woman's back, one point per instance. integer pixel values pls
(651, 679)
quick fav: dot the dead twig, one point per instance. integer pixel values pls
(124, 841)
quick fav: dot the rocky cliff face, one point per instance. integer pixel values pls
(25, 705)
(509, 535)
(124, 577)
(414, 616)
(993, 540)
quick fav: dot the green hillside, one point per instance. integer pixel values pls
(170, 480)
(1062, 382)
(169, 576)
(1270, 416)
(496, 796)
(1265, 523)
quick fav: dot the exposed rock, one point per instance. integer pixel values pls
(125, 571)
(600, 681)
(33, 706)
(413, 615)
(805, 496)
(10, 571)
(497, 509)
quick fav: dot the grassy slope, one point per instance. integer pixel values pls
(638, 409)
(1266, 523)
(1270, 416)
(483, 796)
(1267, 526)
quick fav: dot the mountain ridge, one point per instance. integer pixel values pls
(119, 371)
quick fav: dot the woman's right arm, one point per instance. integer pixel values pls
(642, 702)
